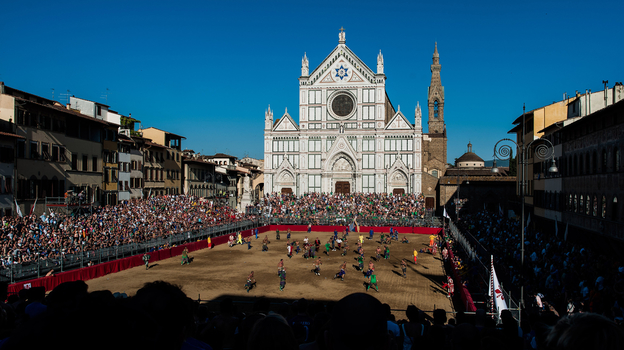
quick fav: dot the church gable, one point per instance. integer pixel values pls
(399, 122)
(340, 67)
(398, 166)
(286, 123)
(341, 145)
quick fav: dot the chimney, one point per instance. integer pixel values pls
(68, 106)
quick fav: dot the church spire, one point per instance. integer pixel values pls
(380, 63)
(305, 66)
(435, 99)
(268, 119)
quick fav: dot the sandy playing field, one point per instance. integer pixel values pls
(222, 271)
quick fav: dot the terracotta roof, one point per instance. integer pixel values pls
(154, 144)
(469, 157)
(486, 171)
(194, 160)
(11, 135)
(221, 155)
(65, 110)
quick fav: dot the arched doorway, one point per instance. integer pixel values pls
(342, 172)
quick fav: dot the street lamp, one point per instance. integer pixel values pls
(503, 150)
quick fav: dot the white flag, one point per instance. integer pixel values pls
(496, 293)
(446, 215)
(17, 209)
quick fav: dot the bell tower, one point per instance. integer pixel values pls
(436, 97)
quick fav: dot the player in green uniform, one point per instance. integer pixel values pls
(373, 281)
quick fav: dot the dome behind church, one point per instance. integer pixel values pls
(469, 159)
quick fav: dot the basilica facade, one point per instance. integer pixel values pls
(349, 137)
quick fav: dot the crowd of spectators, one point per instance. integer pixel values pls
(161, 316)
(559, 275)
(28, 238)
(51, 235)
(350, 206)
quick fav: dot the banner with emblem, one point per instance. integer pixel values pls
(496, 293)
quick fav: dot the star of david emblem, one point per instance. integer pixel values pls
(341, 72)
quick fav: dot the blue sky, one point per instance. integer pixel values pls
(207, 70)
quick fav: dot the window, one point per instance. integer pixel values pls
(314, 183)
(333, 125)
(314, 146)
(106, 174)
(84, 162)
(74, 161)
(330, 142)
(436, 109)
(604, 161)
(20, 117)
(293, 159)
(368, 125)
(368, 145)
(34, 150)
(314, 97)
(45, 151)
(94, 164)
(6, 154)
(575, 204)
(368, 161)
(277, 160)
(350, 125)
(314, 114)
(595, 206)
(21, 148)
(403, 144)
(368, 183)
(368, 112)
(353, 142)
(314, 161)
(368, 95)
(55, 153)
(99, 110)
(315, 126)
(434, 173)
(616, 159)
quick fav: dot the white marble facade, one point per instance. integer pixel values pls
(349, 137)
